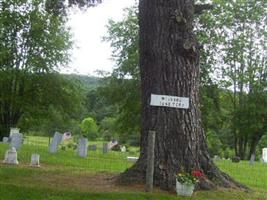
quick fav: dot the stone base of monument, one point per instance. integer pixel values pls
(11, 157)
(35, 160)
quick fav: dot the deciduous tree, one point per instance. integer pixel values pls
(169, 65)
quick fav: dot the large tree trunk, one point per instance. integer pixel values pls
(169, 64)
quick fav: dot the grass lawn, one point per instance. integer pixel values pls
(68, 159)
(252, 175)
(66, 176)
(15, 192)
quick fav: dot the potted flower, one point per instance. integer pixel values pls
(185, 182)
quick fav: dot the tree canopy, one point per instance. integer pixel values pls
(35, 43)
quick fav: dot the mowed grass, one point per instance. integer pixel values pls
(254, 176)
(15, 192)
(20, 183)
(68, 159)
(66, 176)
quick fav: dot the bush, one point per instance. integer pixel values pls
(89, 128)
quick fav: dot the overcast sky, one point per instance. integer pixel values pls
(88, 28)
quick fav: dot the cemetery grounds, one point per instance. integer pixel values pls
(65, 176)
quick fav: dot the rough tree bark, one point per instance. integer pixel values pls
(169, 65)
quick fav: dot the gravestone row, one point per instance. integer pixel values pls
(82, 148)
(15, 141)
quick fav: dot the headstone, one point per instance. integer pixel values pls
(35, 160)
(235, 159)
(264, 155)
(13, 131)
(55, 142)
(82, 147)
(5, 139)
(16, 140)
(132, 159)
(105, 147)
(216, 158)
(252, 159)
(123, 149)
(11, 157)
(92, 147)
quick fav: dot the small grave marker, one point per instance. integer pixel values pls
(216, 158)
(11, 157)
(132, 159)
(123, 149)
(235, 159)
(35, 160)
(5, 139)
(92, 147)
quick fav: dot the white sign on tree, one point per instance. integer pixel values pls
(169, 101)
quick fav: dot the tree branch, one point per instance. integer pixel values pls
(199, 8)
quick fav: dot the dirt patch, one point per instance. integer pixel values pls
(58, 177)
(51, 177)
(100, 182)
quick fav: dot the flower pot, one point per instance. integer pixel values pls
(184, 189)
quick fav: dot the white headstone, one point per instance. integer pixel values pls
(123, 149)
(216, 158)
(16, 140)
(82, 147)
(132, 159)
(264, 155)
(13, 131)
(5, 139)
(55, 142)
(35, 160)
(11, 157)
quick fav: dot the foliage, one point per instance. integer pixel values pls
(108, 128)
(87, 82)
(59, 108)
(98, 106)
(34, 44)
(89, 128)
(122, 87)
(189, 178)
(234, 38)
(229, 83)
